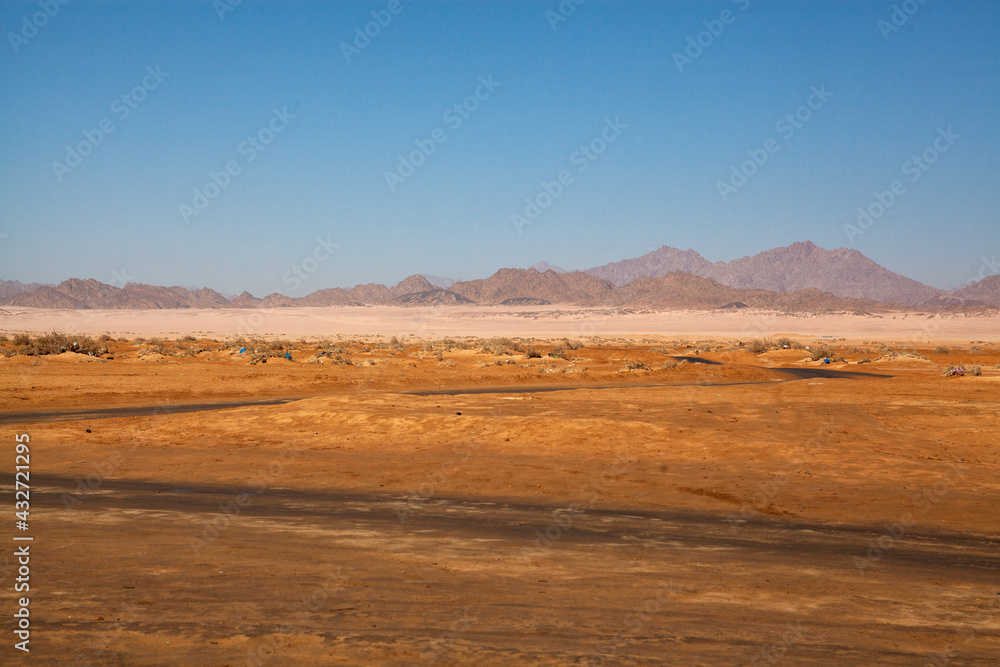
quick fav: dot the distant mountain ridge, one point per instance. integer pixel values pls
(986, 291)
(842, 272)
(802, 277)
(10, 288)
(544, 266)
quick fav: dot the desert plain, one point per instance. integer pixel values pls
(463, 486)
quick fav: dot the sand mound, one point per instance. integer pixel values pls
(72, 356)
(19, 360)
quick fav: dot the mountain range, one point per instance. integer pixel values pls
(800, 277)
(841, 272)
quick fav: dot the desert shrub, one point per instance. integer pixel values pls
(21, 339)
(57, 343)
(941, 349)
(572, 344)
(962, 370)
(558, 352)
(341, 359)
(637, 366)
(448, 344)
(976, 350)
(188, 339)
(759, 345)
(788, 343)
(500, 346)
(821, 352)
(865, 360)
(532, 353)
(393, 344)
(258, 358)
(439, 356)
(667, 365)
(257, 346)
(3, 338)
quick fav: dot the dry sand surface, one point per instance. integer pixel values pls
(682, 501)
(498, 321)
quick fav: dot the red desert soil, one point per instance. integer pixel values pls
(409, 510)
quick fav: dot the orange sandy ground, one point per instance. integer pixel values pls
(804, 521)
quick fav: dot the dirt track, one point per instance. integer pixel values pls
(331, 578)
(720, 518)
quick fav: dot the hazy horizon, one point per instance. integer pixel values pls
(178, 143)
(120, 278)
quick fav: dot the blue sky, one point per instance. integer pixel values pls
(680, 128)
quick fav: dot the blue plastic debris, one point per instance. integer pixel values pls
(826, 361)
(242, 350)
(288, 355)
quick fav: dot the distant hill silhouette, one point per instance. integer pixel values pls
(800, 277)
(986, 291)
(842, 272)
